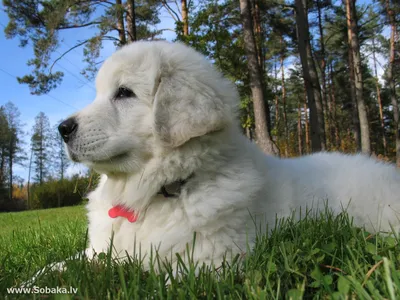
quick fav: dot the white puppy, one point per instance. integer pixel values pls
(164, 120)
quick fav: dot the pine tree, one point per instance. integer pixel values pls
(14, 145)
(261, 110)
(41, 22)
(4, 130)
(391, 8)
(310, 77)
(41, 143)
(354, 44)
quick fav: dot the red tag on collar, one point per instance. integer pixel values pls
(120, 211)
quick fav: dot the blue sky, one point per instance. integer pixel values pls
(74, 93)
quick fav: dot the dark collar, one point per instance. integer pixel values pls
(173, 189)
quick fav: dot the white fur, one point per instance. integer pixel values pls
(183, 122)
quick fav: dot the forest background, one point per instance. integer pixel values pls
(312, 76)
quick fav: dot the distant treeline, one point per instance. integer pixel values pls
(46, 162)
(51, 193)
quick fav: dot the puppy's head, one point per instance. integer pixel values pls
(151, 97)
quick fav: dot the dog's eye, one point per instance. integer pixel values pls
(123, 92)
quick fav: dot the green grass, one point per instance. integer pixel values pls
(323, 258)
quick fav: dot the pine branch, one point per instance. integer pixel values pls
(110, 38)
(172, 13)
(79, 26)
(66, 52)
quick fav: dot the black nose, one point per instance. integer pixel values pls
(66, 128)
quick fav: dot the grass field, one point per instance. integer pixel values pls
(312, 259)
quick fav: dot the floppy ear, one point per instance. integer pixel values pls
(185, 108)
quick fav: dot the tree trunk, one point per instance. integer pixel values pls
(185, 19)
(306, 122)
(391, 80)
(2, 165)
(358, 79)
(378, 96)
(29, 180)
(333, 112)
(41, 157)
(131, 21)
(120, 22)
(262, 131)
(354, 107)
(248, 133)
(355, 119)
(299, 128)
(323, 72)
(62, 169)
(259, 35)
(310, 78)
(10, 165)
(285, 123)
(276, 97)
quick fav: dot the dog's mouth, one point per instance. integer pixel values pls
(111, 159)
(94, 159)
(73, 156)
